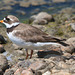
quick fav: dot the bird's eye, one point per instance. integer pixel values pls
(7, 19)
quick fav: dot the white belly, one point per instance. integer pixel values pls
(24, 44)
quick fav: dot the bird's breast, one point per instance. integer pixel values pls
(15, 39)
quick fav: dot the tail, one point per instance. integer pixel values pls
(61, 42)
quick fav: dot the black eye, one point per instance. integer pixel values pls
(7, 19)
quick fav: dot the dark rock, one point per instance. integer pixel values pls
(51, 50)
(1, 49)
(1, 73)
(2, 40)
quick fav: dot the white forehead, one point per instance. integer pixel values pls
(4, 19)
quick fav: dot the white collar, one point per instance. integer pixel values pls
(10, 25)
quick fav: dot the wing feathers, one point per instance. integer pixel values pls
(33, 34)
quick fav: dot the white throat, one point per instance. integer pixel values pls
(10, 25)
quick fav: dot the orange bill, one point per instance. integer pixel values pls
(1, 21)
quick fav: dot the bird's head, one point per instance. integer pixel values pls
(10, 21)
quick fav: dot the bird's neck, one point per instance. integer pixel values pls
(11, 28)
(11, 25)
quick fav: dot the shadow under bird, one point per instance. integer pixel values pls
(27, 36)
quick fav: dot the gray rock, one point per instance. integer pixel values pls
(32, 18)
(71, 47)
(41, 18)
(39, 22)
(38, 65)
(46, 16)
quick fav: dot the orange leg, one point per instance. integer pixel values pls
(27, 54)
(31, 54)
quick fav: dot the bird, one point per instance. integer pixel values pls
(27, 36)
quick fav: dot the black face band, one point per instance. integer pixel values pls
(7, 18)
